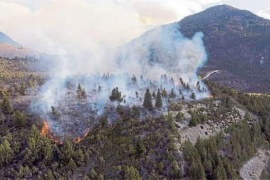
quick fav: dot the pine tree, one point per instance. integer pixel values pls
(134, 79)
(79, 87)
(164, 93)
(198, 86)
(50, 174)
(175, 171)
(19, 119)
(81, 92)
(131, 173)
(179, 116)
(116, 95)
(182, 82)
(72, 165)
(154, 94)
(6, 153)
(158, 100)
(6, 106)
(147, 103)
(193, 96)
(196, 169)
(100, 177)
(54, 112)
(92, 174)
(172, 94)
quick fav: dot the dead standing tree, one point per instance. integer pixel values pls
(81, 95)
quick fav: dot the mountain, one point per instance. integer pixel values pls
(237, 43)
(11, 49)
(7, 40)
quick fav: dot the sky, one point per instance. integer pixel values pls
(60, 26)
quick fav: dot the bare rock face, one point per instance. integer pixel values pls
(237, 44)
(253, 168)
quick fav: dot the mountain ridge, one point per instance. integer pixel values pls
(237, 43)
(14, 50)
(7, 40)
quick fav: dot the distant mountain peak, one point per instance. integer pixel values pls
(11, 49)
(223, 6)
(7, 40)
(223, 18)
(237, 42)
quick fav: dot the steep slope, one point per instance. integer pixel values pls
(11, 49)
(7, 40)
(237, 43)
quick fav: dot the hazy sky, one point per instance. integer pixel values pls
(61, 25)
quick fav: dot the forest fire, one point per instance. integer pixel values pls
(79, 139)
(45, 131)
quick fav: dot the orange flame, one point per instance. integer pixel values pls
(86, 132)
(45, 128)
(45, 131)
(79, 139)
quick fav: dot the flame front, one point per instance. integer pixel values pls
(79, 139)
(45, 128)
(45, 131)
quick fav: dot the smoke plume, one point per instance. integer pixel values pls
(160, 59)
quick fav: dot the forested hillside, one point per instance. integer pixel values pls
(206, 139)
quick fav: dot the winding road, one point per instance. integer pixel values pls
(210, 73)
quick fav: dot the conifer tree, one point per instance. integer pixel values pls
(198, 86)
(79, 87)
(99, 89)
(193, 96)
(164, 93)
(6, 106)
(116, 95)
(158, 100)
(172, 94)
(80, 92)
(131, 173)
(187, 87)
(54, 112)
(20, 119)
(72, 165)
(147, 103)
(182, 82)
(154, 94)
(93, 174)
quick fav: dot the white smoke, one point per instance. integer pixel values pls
(163, 50)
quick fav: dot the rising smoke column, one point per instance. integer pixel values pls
(163, 50)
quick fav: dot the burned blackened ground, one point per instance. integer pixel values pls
(82, 100)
